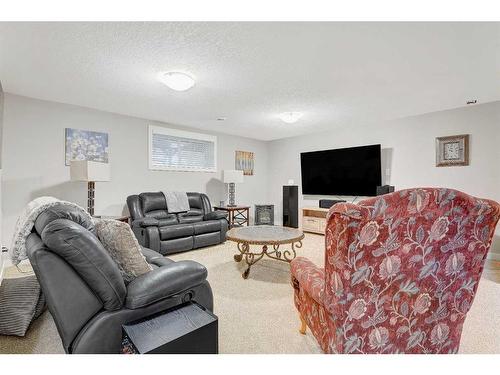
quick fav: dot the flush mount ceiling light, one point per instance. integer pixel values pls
(290, 117)
(177, 81)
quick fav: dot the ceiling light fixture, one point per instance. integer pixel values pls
(290, 117)
(473, 101)
(177, 81)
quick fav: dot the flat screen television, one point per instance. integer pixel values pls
(353, 171)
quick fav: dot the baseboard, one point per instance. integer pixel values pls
(493, 256)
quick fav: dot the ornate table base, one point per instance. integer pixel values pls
(274, 253)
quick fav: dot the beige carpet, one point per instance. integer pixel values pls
(257, 315)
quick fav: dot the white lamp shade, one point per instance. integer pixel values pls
(85, 170)
(233, 176)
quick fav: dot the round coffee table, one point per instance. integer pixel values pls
(270, 237)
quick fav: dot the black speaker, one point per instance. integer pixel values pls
(291, 206)
(386, 189)
(327, 203)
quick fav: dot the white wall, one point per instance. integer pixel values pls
(1, 143)
(33, 157)
(34, 160)
(1, 125)
(408, 152)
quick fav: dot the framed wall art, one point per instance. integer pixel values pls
(244, 161)
(452, 150)
(86, 145)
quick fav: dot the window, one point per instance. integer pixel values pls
(176, 150)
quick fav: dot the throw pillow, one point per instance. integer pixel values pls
(119, 240)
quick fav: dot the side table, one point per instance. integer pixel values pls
(238, 215)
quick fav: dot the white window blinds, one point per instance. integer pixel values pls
(177, 150)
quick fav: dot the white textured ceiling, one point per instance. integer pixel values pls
(338, 74)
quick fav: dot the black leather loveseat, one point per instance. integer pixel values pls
(166, 232)
(85, 291)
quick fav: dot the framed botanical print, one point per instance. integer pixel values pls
(452, 150)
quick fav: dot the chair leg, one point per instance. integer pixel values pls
(303, 325)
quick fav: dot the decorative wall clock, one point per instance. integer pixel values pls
(452, 150)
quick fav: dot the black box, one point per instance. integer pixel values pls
(327, 203)
(291, 206)
(184, 329)
(385, 189)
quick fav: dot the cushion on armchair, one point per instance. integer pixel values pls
(121, 244)
(215, 215)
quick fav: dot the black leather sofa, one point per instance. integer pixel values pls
(167, 232)
(85, 291)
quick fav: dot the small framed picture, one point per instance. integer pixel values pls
(86, 145)
(452, 151)
(244, 161)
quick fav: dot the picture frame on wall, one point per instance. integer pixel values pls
(86, 145)
(244, 161)
(452, 151)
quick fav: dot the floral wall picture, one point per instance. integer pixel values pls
(244, 161)
(86, 145)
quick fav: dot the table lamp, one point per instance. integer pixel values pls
(91, 172)
(232, 177)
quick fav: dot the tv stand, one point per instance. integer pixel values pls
(314, 219)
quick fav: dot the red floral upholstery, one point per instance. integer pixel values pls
(400, 273)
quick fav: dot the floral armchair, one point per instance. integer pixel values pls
(401, 272)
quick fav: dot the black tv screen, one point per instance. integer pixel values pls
(354, 171)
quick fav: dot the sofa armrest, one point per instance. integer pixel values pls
(215, 215)
(308, 277)
(164, 282)
(350, 211)
(145, 222)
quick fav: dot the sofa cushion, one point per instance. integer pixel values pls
(119, 240)
(199, 201)
(171, 219)
(175, 231)
(176, 245)
(157, 214)
(192, 216)
(206, 239)
(83, 251)
(215, 215)
(154, 205)
(206, 226)
(153, 201)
